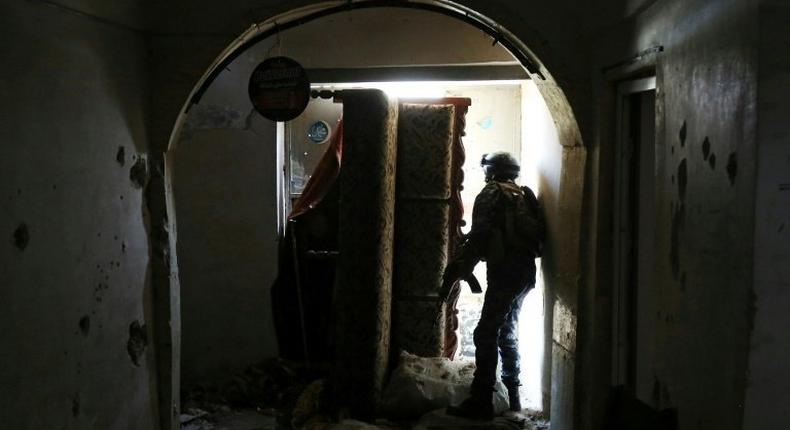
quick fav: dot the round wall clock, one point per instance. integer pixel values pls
(319, 132)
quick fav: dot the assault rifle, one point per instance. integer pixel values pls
(452, 274)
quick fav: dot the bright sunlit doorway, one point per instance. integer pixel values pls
(505, 115)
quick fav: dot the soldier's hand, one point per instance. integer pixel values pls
(451, 272)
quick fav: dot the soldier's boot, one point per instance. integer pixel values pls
(478, 406)
(513, 397)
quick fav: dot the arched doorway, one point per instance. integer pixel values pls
(561, 197)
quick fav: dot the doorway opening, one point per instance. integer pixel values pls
(504, 115)
(224, 120)
(635, 230)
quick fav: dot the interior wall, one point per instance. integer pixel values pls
(705, 168)
(768, 376)
(76, 304)
(227, 238)
(225, 189)
(541, 163)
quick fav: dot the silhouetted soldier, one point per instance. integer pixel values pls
(507, 232)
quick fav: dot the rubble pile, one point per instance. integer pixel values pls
(423, 384)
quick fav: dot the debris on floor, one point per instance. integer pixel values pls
(355, 425)
(420, 385)
(231, 420)
(192, 414)
(312, 406)
(270, 389)
(192, 419)
(278, 394)
(246, 420)
(536, 420)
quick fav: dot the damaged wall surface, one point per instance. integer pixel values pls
(226, 200)
(77, 341)
(705, 169)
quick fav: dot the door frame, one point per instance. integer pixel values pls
(621, 301)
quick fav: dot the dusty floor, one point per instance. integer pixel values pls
(246, 420)
(297, 397)
(254, 420)
(233, 420)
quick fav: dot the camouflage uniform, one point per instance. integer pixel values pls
(511, 274)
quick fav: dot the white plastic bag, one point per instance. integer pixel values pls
(422, 384)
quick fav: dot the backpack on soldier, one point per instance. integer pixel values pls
(524, 226)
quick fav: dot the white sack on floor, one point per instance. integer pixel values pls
(419, 385)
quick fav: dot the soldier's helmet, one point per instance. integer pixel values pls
(500, 165)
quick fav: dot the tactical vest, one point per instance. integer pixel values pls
(523, 231)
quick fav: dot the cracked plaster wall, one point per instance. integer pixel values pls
(74, 258)
(226, 201)
(705, 179)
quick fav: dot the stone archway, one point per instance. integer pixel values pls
(563, 192)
